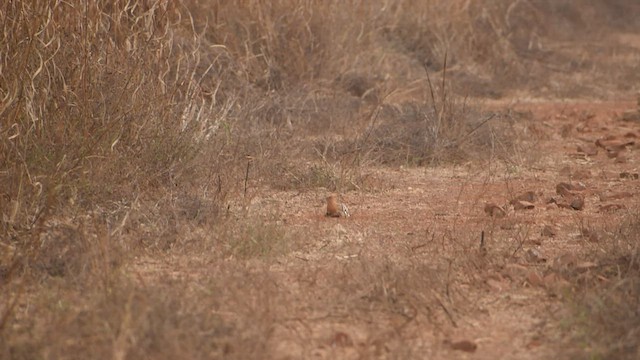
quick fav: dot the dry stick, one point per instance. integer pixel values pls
(433, 97)
(416, 247)
(520, 243)
(448, 280)
(444, 91)
(246, 175)
(460, 140)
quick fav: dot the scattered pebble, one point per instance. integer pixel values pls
(464, 345)
(549, 231)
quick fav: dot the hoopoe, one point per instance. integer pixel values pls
(336, 209)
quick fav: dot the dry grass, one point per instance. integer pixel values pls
(604, 319)
(132, 129)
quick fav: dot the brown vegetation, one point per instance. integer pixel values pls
(133, 130)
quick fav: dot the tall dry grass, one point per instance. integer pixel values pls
(95, 108)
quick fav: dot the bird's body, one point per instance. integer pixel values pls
(336, 209)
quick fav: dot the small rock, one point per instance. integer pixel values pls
(564, 189)
(574, 203)
(628, 175)
(464, 345)
(534, 256)
(528, 196)
(522, 205)
(549, 231)
(577, 203)
(494, 210)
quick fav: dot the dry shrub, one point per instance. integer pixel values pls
(605, 302)
(417, 134)
(441, 128)
(98, 109)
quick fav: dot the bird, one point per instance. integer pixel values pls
(336, 209)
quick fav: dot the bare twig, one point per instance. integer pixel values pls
(246, 175)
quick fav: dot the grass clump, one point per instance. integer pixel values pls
(606, 300)
(257, 240)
